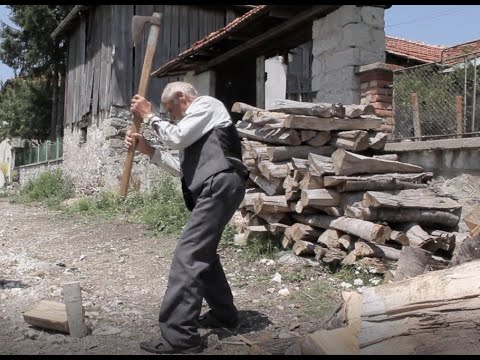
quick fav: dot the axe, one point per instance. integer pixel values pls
(138, 25)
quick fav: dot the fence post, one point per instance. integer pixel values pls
(57, 149)
(474, 91)
(416, 116)
(460, 115)
(46, 149)
(38, 153)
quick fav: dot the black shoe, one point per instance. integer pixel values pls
(161, 346)
(208, 320)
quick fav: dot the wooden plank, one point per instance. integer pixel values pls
(90, 60)
(105, 71)
(82, 66)
(174, 32)
(282, 153)
(48, 315)
(122, 67)
(269, 136)
(69, 84)
(260, 81)
(331, 181)
(202, 23)
(74, 42)
(183, 29)
(98, 57)
(323, 110)
(193, 14)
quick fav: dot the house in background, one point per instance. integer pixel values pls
(224, 50)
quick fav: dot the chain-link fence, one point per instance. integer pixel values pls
(438, 100)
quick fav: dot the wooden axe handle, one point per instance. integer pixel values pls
(142, 90)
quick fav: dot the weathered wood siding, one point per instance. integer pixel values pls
(104, 68)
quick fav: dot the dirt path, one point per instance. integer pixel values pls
(123, 272)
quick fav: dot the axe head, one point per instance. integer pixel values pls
(138, 25)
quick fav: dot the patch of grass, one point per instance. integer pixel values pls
(228, 235)
(49, 188)
(351, 273)
(162, 209)
(318, 299)
(266, 246)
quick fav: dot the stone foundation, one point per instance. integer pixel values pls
(96, 164)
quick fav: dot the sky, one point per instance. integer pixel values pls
(433, 24)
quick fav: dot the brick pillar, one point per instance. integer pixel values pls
(376, 84)
(343, 40)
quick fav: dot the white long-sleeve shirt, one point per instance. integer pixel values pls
(204, 114)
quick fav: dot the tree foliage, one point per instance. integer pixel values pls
(25, 109)
(38, 61)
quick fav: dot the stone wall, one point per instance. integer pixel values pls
(31, 171)
(96, 164)
(343, 40)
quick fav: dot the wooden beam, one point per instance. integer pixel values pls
(260, 81)
(309, 14)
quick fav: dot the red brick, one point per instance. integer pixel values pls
(383, 113)
(376, 75)
(377, 91)
(382, 105)
(379, 84)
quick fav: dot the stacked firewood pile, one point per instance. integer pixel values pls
(320, 182)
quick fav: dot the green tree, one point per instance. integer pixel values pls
(25, 109)
(30, 51)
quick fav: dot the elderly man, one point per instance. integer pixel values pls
(213, 183)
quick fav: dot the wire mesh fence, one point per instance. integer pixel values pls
(438, 100)
(46, 151)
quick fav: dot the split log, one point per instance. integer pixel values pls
(420, 238)
(242, 108)
(48, 315)
(277, 228)
(310, 182)
(292, 196)
(72, 296)
(272, 187)
(285, 153)
(392, 157)
(353, 140)
(320, 197)
(251, 194)
(324, 110)
(402, 215)
(380, 185)
(320, 221)
(322, 164)
(272, 170)
(269, 136)
(466, 251)
(330, 238)
(431, 314)
(355, 111)
(304, 232)
(266, 119)
(321, 138)
(334, 256)
(270, 204)
(363, 229)
(287, 241)
(260, 153)
(417, 199)
(299, 164)
(347, 242)
(306, 135)
(365, 249)
(378, 141)
(448, 240)
(331, 181)
(399, 237)
(303, 248)
(348, 163)
(320, 124)
(412, 262)
(270, 217)
(319, 252)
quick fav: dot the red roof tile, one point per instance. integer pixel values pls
(214, 37)
(413, 49)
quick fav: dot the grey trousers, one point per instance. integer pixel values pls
(196, 272)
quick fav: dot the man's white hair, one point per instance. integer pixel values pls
(178, 86)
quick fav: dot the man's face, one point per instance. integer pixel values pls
(176, 106)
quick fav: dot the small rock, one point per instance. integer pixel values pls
(284, 292)
(30, 334)
(126, 334)
(277, 278)
(213, 342)
(345, 285)
(60, 263)
(122, 260)
(294, 325)
(285, 335)
(280, 307)
(263, 261)
(107, 331)
(271, 290)
(82, 257)
(358, 282)
(270, 262)
(3, 296)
